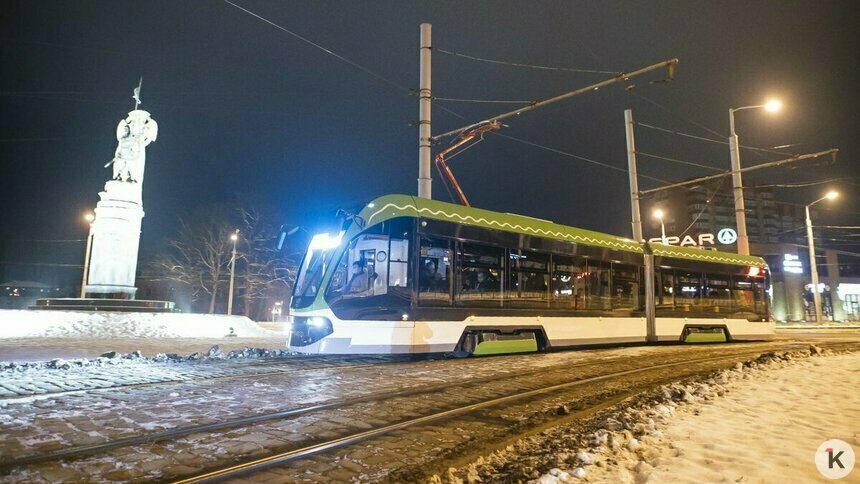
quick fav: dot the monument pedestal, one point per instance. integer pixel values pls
(116, 236)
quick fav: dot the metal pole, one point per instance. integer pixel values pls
(235, 238)
(424, 104)
(636, 214)
(813, 268)
(650, 303)
(737, 187)
(663, 231)
(87, 263)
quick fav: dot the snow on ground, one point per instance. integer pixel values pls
(36, 323)
(754, 423)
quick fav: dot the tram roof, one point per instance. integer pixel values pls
(391, 206)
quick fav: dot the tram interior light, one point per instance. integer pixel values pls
(754, 271)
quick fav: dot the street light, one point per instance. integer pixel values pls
(234, 237)
(771, 106)
(90, 218)
(813, 266)
(659, 214)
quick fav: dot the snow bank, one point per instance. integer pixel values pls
(82, 324)
(746, 424)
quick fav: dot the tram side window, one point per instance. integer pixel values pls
(716, 295)
(598, 296)
(356, 275)
(481, 271)
(625, 287)
(749, 295)
(665, 293)
(398, 257)
(374, 264)
(435, 275)
(568, 282)
(529, 278)
(688, 290)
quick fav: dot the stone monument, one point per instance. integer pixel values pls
(118, 214)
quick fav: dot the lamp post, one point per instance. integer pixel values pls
(659, 215)
(734, 149)
(813, 266)
(90, 218)
(234, 237)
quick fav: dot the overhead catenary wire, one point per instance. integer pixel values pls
(702, 138)
(675, 160)
(800, 184)
(674, 113)
(521, 64)
(571, 155)
(496, 101)
(324, 49)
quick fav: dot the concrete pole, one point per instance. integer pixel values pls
(737, 186)
(87, 262)
(650, 302)
(234, 238)
(636, 214)
(833, 279)
(424, 104)
(813, 268)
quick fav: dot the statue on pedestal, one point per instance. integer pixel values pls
(133, 134)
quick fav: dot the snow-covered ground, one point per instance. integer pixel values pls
(754, 423)
(83, 324)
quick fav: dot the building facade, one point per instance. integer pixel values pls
(704, 216)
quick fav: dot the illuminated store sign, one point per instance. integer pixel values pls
(724, 237)
(791, 263)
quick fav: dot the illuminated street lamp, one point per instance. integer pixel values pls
(235, 238)
(659, 215)
(771, 106)
(90, 218)
(813, 266)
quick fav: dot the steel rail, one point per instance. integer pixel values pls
(86, 450)
(283, 368)
(261, 463)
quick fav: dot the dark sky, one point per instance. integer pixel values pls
(245, 108)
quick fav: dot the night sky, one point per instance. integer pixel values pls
(247, 110)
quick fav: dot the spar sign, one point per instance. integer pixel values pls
(724, 236)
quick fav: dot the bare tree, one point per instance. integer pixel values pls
(199, 255)
(266, 272)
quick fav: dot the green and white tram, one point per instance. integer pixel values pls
(410, 275)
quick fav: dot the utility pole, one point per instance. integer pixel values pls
(424, 100)
(737, 188)
(813, 269)
(235, 238)
(636, 215)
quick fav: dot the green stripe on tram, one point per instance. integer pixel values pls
(718, 337)
(497, 347)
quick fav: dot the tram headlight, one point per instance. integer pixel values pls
(309, 329)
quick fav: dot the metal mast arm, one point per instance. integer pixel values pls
(671, 63)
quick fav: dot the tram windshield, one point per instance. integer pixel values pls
(320, 252)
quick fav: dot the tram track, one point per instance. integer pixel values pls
(254, 465)
(341, 441)
(282, 366)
